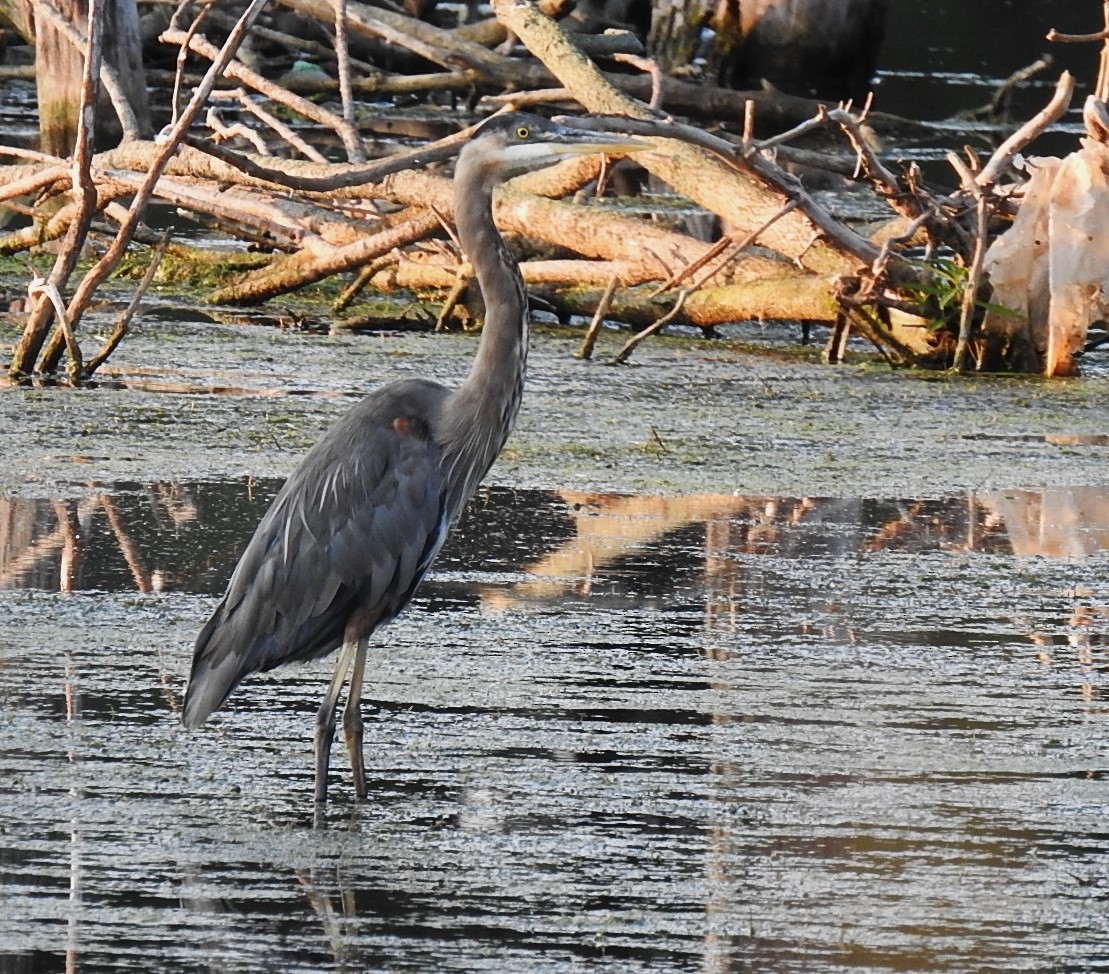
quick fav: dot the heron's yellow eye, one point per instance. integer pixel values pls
(522, 132)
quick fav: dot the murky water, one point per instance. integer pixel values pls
(710, 733)
(685, 733)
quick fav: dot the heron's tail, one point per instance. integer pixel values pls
(215, 673)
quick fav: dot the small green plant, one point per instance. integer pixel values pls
(942, 295)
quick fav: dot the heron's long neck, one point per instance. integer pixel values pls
(483, 410)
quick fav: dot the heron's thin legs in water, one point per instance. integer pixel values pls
(325, 716)
(352, 721)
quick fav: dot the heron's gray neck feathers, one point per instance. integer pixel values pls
(483, 410)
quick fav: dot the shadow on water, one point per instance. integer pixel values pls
(707, 733)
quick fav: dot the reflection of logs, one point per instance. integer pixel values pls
(21, 553)
(1066, 522)
(609, 527)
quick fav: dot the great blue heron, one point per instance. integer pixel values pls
(356, 527)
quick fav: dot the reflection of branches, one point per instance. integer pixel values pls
(72, 555)
(127, 545)
(177, 502)
(21, 552)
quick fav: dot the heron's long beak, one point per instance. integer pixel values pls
(582, 143)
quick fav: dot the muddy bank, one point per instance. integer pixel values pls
(195, 400)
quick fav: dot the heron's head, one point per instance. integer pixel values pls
(508, 144)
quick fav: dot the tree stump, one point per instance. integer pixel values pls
(827, 48)
(58, 68)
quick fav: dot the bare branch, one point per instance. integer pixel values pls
(1035, 126)
(124, 322)
(636, 340)
(585, 349)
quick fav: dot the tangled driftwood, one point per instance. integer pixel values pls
(781, 255)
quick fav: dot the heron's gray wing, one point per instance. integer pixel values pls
(355, 527)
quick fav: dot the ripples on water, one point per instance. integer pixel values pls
(704, 733)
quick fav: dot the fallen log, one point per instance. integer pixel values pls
(740, 199)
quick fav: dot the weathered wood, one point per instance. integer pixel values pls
(58, 78)
(690, 170)
(58, 67)
(649, 251)
(798, 297)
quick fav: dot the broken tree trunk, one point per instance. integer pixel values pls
(1048, 271)
(59, 65)
(827, 48)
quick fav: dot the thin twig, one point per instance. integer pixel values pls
(226, 132)
(270, 120)
(747, 241)
(718, 248)
(462, 281)
(974, 274)
(1004, 90)
(820, 120)
(124, 322)
(356, 151)
(183, 53)
(585, 350)
(349, 293)
(1057, 38)
(1101, 89)
(694, 265)
(648, 66)
(868, 159)
(632, 343)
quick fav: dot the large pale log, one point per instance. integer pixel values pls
(575, 288)
(799, 296)
(743, 201)
(412, 273)
(307, 267)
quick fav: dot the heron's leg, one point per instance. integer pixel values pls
(325, 718)
(352, 721)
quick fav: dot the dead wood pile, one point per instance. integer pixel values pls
(232, 157)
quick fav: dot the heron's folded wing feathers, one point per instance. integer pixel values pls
(356, 526)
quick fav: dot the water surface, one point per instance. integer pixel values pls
(706, 732)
